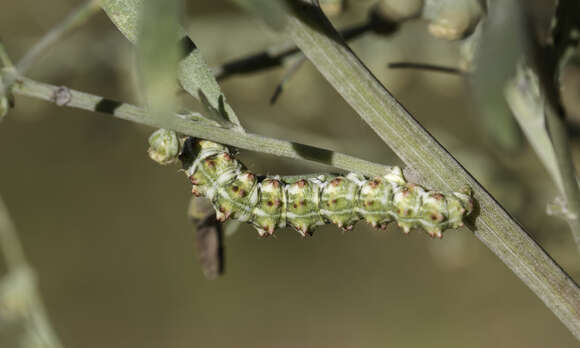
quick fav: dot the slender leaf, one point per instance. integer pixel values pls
(193, 74)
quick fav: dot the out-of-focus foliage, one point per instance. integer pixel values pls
(158, 54)
(452, 20)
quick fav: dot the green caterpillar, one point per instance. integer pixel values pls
(269, 203)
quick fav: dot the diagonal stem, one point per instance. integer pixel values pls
(9, 242)
(63, 96)
(320, 42)
(76, 18)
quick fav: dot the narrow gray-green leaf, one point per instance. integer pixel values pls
(158, 54)
(527, 104)
(502, 41)
(76, 18)
(272, 11)
(193, 72)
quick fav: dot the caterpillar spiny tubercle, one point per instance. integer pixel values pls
(269, 203)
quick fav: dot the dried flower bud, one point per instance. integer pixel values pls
(399, 10)
(451, 19)
(4, 106)
(208, 237)
(16, 290)
(200, 209)
(164, 146)
(332, 7)
(6, 98)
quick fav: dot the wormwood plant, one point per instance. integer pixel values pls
(532, 92)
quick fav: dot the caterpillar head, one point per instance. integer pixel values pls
(460, 205)
(466, 199)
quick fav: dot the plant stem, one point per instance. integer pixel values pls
(4, 58)
(562, 152)
(22, 276)
(279, 55)
(9, 243)
(526, 101)
(248, 141)
(76, 18)
(319, 41)
(286, 78)
(566, 26)
(426, 67)
(533, 111)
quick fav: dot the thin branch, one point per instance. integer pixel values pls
(9, 243)
(4, 58)
(22, 277)
(565, 36)
(565, 40)
(201, 129)
(563, 153)
(76, 18)
(272, 57)
(7, 75)
(279, 55)
(20, 274)
(425, 66)
(319, 41)
(526, 101)
(286, 78)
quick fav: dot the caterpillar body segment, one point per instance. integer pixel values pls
(269, 203)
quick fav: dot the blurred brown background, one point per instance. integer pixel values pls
(106, 230)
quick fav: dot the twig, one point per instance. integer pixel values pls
(526, 101)
(319, 41)
(279, 55)
(286, 78)
(7, 75)
(9, 243)
(425, 66)
(77, 17)
(4, 58)
(565, 36)
(22, 277)
(565, 39)
(272, 57)
(559, 136)
(248, 141)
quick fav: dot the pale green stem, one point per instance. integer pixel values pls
(200, 129)
(76, 18)
(9, 243)
(559, 135)
(20, 273)
(565, 38)
(532, 110)
(320, 42)
(4, 58)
